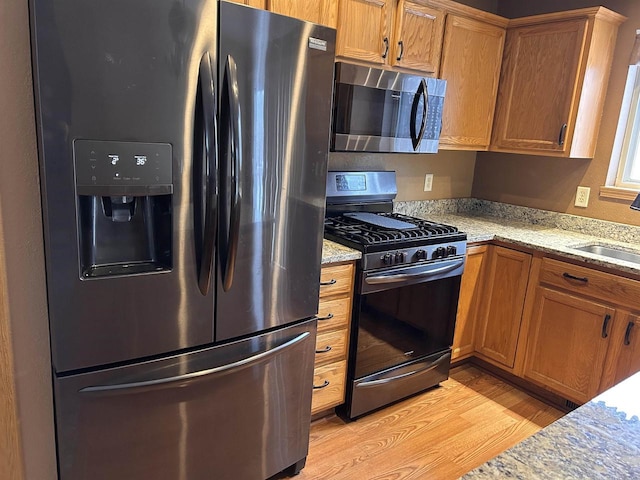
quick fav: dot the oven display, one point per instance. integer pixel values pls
(351, 183)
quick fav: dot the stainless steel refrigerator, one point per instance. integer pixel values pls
(183, 148)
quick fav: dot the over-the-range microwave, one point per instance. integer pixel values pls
(382, 111)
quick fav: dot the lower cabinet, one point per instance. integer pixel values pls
(469, 301)
(505, 287)
(567, 343)
(570, 329)
(332, 343)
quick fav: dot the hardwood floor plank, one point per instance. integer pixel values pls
(440, 434)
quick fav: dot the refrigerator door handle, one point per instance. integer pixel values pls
(234, 172)
(209, 171)
(181, 380)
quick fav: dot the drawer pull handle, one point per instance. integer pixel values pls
(573, 277)
(401, 45)
(330, 282)
(325, 349)
(605, 324)
(385, 40)
(328, 317)
(324, 384)
(627, 340)
(563, 134)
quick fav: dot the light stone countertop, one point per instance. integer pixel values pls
(539, 237)
(333, 252)
(600, 440)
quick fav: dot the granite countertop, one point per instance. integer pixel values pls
(548, 232)
(333, 252)
(600, 440)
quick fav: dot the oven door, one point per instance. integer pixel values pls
(405, 322)
(405, 314)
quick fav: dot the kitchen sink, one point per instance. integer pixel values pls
(611, 252)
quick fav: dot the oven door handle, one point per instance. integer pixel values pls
(404, 277)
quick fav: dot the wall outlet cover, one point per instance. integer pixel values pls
(428, 182)
(582, 196)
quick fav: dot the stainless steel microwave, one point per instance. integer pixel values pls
(382, 111)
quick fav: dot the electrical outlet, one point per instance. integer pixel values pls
(582, 196)
(428, 182)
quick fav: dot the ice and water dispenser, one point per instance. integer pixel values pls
(124, 207)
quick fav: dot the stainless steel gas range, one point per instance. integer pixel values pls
(406, 292)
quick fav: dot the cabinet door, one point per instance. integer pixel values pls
(506, 287)
(568, 341)
(324, 12)
(629, 358)
(471, 60)
(535, 109)
(363, 30)
(470, 291)
(418, 36)
(252, 3)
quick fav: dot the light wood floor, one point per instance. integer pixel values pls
(439, 435)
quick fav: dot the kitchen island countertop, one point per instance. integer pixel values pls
(600, 440)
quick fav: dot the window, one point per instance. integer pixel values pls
(624, 169)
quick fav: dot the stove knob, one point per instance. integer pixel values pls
(421, 255)
(386, 259)
(451, 250)
(400, 256)
(439, 252)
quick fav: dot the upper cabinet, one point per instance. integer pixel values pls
(417, 36)
(398, 33)
(252, 3)
(364, 30)
(471, 60)
(324, 12)
(553, 82)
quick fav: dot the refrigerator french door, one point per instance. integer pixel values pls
(183, 148)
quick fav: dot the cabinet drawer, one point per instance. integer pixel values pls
(336, 280)
(592, 283)
(334, 314)
(328, 383)
(331, 347)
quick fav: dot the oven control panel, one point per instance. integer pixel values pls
(409, 256)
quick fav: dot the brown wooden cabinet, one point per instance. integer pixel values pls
(628, 354)
(400, 33)
(547, 103)
(567, 343)
(332, 342)
(471, 61)
(364, 29)
(469, 301)
(498, 327)
(252, 3)
(324, 12)
(417, 36)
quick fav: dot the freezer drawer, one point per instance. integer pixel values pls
(235, 411)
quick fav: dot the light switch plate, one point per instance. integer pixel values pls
(428, 182)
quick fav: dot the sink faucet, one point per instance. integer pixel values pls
(636, 203)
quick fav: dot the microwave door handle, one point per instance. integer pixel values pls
(208, 169)
(416, 138)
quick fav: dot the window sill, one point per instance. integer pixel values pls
(618, 193)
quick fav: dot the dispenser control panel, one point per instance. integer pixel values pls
(122, 168)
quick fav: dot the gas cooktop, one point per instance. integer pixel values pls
(376, 232)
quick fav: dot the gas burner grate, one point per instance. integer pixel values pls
(355, 230)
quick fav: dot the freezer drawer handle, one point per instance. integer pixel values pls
(201, 373)
(382, 381)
